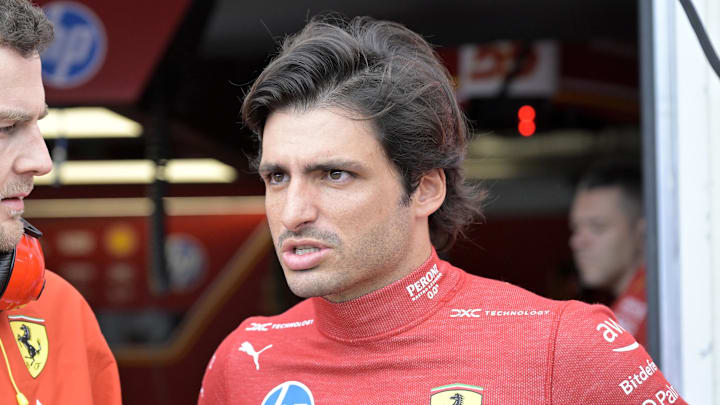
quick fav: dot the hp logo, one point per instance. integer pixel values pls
(79, 48)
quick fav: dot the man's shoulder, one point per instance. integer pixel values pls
(593, 323)
(591, 345)
(59, 303)
(490, 291)
(58, 291)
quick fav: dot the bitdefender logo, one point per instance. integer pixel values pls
(637, 379)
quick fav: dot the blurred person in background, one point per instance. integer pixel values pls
(53, 352)
(608, 241)
(361, 150)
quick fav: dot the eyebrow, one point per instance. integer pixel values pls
(334, 164)
(21, 116)
(270, 168)
(327, 165)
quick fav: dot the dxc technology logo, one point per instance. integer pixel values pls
(79, 48)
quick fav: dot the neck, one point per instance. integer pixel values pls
(397, 306)
(622, 283)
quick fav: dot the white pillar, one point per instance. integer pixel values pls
(687, 155)
(711, 19)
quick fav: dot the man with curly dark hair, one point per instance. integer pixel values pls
(361, 150)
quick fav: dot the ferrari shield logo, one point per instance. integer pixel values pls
(32, 341)
(456, 394)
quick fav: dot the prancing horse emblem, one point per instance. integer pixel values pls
(24, 339)
(32, 341)
(456, 394)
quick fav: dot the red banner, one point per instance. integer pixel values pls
(105, 50)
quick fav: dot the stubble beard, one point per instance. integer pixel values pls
(361, 261)
(308, 283)
(10, 233)
(11, 230)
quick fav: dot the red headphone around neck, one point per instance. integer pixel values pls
(22, 270)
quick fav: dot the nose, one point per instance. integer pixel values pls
(34, 157)
(300, 206)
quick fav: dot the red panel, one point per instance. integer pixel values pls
(138, 33)
(107, 259)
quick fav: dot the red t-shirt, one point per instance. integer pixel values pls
(630, 307)
(56, 351)
(438, 336)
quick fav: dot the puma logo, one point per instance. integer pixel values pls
(246, 347)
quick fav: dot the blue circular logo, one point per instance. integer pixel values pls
(79, 48)
(289, 393)
(187, 261)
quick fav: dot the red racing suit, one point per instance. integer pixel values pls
(630, 307)
(56, 352)
(437, 336)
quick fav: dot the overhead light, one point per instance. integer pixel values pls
(87, 122)
(138, 172)
(199, 171)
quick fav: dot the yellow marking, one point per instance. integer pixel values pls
(32, 341)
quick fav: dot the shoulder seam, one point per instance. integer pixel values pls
(551, 353)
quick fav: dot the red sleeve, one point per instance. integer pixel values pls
(213, 385)
(595, 361)
(92, 366)
(101, 362)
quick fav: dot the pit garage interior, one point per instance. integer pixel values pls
(172, 262)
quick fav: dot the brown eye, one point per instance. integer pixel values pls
(276, 178)
(339, 176)
(336, 174)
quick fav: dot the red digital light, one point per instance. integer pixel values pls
(526, 128)
(526, 115)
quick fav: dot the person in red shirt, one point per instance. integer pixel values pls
(51, 347)
(608, 239)
(361, 150)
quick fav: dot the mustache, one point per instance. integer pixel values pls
(330, 238)
(23, 185)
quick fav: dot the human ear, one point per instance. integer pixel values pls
(430, 193)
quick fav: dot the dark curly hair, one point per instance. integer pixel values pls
(390, 76)
(24, 27)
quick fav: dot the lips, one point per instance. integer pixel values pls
(13, 203)
(303, 255)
